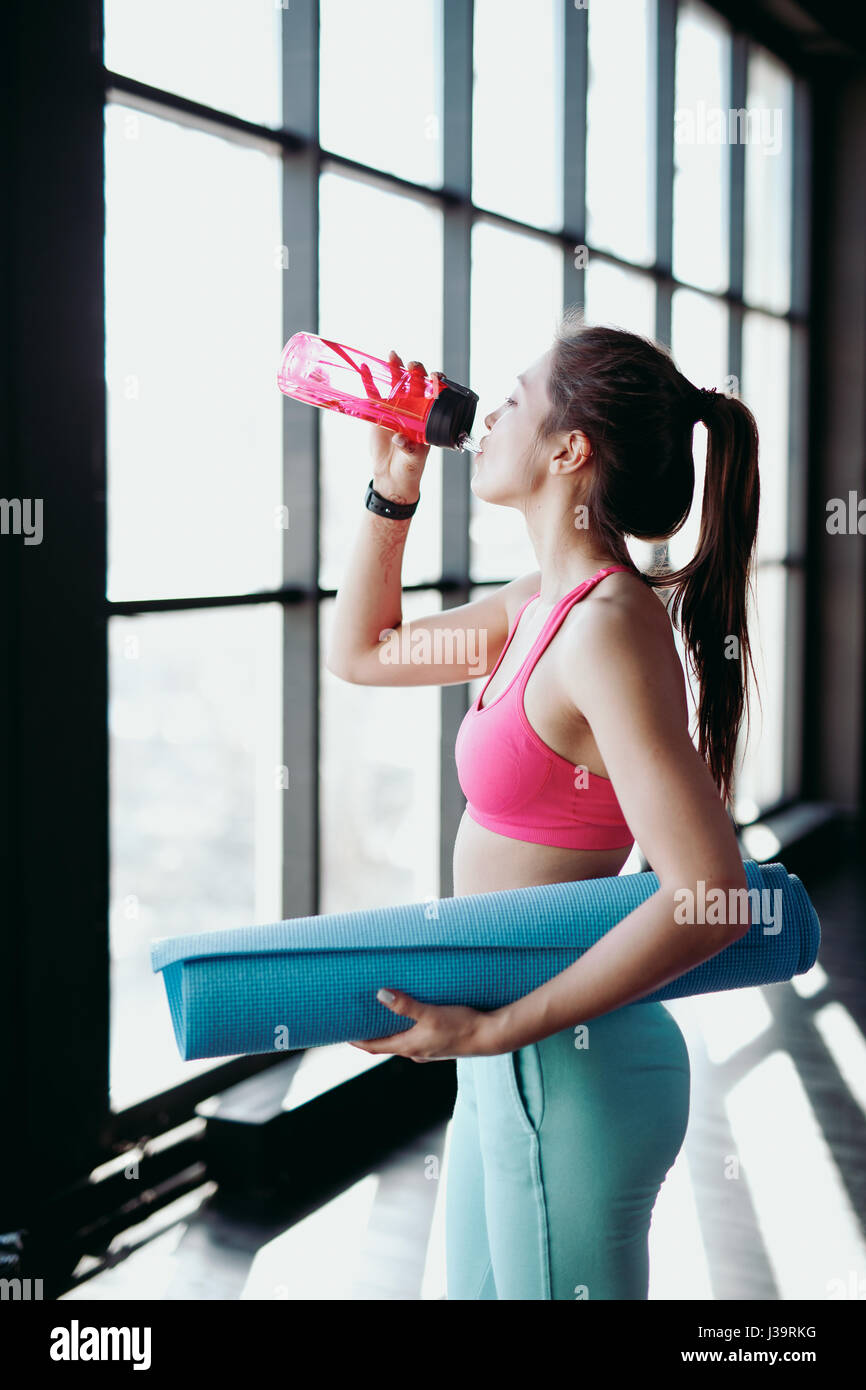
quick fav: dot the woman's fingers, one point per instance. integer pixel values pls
(396, 365)
(411, 386)
(400, 383)
(395, 362)
(415, 384)
(369, 384)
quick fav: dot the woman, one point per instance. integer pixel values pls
(572, 1107)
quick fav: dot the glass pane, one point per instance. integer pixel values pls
(516, 284)
(405, 313)
(196, 813)
(621, 129)
(517, 110)
(193, 49)
(765, 389)
(380, 85)
(380, 784)
(769, 101)
(699, 342)
(701, 153)
(760, 782)
(619, 298)
(193, 325)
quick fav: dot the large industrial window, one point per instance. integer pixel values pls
(438, 177)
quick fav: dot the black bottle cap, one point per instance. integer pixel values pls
(451, 415)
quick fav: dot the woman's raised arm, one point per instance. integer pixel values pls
(370, 644)
(457, 645)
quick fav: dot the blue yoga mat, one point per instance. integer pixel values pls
(310, 981)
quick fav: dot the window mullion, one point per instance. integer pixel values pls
(300, 282)
(736, 206)
(665, 95)
(457, 50)
(573, 116)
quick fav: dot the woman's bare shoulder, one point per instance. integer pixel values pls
(634, 595)
(628, 611)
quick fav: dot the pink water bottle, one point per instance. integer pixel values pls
(426, 409)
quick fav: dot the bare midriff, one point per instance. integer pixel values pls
(485, 861)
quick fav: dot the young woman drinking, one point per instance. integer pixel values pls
(573, 1101)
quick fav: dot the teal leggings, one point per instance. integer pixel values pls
(556, 1157)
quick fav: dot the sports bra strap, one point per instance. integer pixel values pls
(556, 615)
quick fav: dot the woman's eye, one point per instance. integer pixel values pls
(509, 400)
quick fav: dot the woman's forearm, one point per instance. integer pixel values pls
(641, 953)
(369, 597)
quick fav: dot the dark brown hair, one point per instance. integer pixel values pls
(638, 411)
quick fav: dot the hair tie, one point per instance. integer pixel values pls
(703, 396)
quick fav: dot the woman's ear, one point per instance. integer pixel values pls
(574, 450)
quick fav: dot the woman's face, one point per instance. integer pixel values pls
(505, 465)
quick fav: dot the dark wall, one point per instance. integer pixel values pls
(54, 977)
(836, 703)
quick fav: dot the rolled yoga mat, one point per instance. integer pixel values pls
(310, 981)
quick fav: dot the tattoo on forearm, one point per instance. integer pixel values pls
(390, 537)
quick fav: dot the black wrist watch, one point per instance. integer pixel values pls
(382, 506)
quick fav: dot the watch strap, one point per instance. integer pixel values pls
(383, 506)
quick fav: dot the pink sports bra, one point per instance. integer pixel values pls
(516, 785)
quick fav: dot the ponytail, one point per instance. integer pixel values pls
(710, 600)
